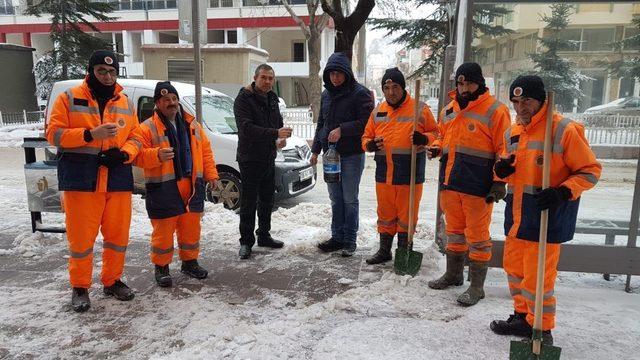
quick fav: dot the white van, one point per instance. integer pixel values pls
(294, 173)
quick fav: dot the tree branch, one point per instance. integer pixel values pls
(296, 18)
(361, 13)
(335, 15)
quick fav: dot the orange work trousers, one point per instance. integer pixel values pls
(467, 219)
(521, 265)
(393, 207)
(185, 226)
(85, 214)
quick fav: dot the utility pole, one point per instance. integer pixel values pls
(195, 24)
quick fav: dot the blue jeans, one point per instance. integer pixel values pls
(345, 207)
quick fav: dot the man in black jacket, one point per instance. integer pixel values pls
(344, 111)
(260, 134)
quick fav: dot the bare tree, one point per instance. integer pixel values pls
(347, 27)
(312, 33)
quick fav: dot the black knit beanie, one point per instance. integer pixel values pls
(530, 86)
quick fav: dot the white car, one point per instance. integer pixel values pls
(294, 173)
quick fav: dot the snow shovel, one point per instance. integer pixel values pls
(534, 349)
(407, 261)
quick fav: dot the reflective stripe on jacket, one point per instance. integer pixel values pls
(75, 111)
(573, 165)
(163, 199)
(393, 164)
(471, 139)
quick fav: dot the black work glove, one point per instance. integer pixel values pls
(112, 157)
(504, 167)
(419, 139)
(433, 152)
(372, 146)
(552, 197)
(497, 192)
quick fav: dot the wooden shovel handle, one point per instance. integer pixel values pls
(414, 150)
(544, 221)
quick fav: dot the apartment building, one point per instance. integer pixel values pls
(594, 26)
(259, 23)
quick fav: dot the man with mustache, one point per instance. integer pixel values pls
(178, 162)
(471, 127)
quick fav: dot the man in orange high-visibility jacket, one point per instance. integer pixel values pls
(389, 133)
(95, 128)
(574, 169)
(178, 162)
(471, 128)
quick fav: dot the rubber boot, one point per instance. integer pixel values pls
(515, 325)
(454, 275)
(475, 292)
(80, 300)
(119, 290)
(384, 253)
(162, 275)
(193, 269)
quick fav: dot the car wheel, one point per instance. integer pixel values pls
(227, 192)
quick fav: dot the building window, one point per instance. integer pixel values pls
(222, 36)
(597, 39)
(572, 35)
(182, 70)
(220, 3)
(627, 85)
(298, 52)
(7, 8)
(630, 32)
(232, 36)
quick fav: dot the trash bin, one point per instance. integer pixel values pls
(41, 179)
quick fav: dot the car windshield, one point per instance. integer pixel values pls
(217, 113)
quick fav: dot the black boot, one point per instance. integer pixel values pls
(384, 253)
(453, 276)
(330, 245)
(475, 292)
(348, 250)
(80, 300)
(515, 325)
(193, 269)
(120, 291)
(403, 241)
(163, 277)
(245, 251)
(268, 241)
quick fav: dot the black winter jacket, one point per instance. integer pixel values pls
(347, 106)
(258, 119)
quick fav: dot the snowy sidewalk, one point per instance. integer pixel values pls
(292, 303)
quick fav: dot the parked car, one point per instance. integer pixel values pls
(622, 106)
(294, 173)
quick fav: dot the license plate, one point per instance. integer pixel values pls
(306, 174)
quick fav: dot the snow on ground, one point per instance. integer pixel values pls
(12, 135)
(373, 314)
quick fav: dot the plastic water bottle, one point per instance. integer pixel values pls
(331, 165)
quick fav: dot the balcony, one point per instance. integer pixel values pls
(294, 69)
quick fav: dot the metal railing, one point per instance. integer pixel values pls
(606, 121)
(21, 118)
(301, 121)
